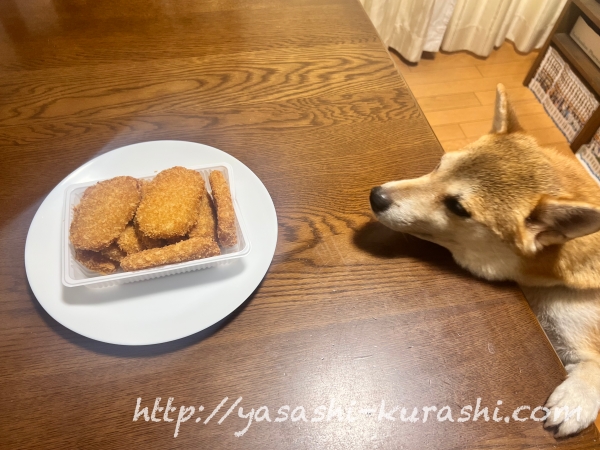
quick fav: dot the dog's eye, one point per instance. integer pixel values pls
(455, 207)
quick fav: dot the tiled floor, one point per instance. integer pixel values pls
(456, 92)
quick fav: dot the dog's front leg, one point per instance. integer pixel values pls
(574, 404)
(571, 319)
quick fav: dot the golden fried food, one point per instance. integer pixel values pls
(136, 224)
(226, 234)
(174, 240)
(113, 252)
(103, 213)
(206, 225)
(131, 240)
(96, 262)
(170, 204)
(148, 242)
(187, 250)
(143, 186)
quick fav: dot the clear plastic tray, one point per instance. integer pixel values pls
(74, 274)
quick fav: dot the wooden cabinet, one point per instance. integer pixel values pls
(587, 71)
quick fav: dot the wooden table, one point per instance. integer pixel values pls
(349, 316)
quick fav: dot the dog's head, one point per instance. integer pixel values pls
(502, 191)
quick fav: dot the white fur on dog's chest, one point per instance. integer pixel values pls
(490, 261)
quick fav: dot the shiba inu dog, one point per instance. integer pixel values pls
(509, 209)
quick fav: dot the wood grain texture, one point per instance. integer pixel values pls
(304, 94)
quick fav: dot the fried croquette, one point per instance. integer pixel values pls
(143, 185)
(96, 262)
(206, 225)
(148, 242)
(187, 250)
(103, 213)
(174, 240)
(170, 204)
(131, 240)
(226, 235)
(113, 252)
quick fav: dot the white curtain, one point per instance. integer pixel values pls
(478, 26)
(410, 26)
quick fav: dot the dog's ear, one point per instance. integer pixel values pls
(556, 221)
(505, 120)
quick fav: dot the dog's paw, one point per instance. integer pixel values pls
(573, 405)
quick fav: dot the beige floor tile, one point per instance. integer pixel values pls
(448, 132)
(517, 94)
(435, 76)
(452, 101)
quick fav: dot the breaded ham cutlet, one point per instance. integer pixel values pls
(170, 204)
(187, 250)
(226, 234)
(103, 213)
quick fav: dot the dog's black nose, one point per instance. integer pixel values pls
(379, 200)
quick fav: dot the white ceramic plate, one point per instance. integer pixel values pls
(162, 309)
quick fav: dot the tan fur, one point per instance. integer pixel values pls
(534, 218)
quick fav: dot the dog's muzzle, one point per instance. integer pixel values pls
(379, 200)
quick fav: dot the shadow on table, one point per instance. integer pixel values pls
(379, 240)
(382, 242)
(133, 351)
